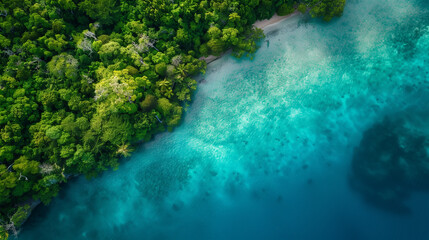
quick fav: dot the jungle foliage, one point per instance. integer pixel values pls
(83, 80)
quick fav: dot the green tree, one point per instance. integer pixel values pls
(101, 10)
(26, 167)
(161, 69)
(216, 46)
(149, 103)
(64, 66)
(285, 9)
(109, 51)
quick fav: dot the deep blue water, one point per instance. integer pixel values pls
(264, 151)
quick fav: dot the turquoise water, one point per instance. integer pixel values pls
(264, 151)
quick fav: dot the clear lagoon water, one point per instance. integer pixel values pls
(264, 151)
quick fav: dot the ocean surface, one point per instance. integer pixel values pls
(265, 149)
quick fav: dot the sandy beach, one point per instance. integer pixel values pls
(262, 24)
(275, 19)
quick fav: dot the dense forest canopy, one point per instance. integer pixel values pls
(82, 80)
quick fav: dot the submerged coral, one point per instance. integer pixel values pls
(391, 162)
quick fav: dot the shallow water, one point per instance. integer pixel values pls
(264, 151)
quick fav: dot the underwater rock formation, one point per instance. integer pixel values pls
(390, 163)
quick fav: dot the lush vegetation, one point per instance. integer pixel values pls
(82, 80)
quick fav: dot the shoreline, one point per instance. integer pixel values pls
(262, 24)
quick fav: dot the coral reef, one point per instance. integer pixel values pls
(391, 162)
